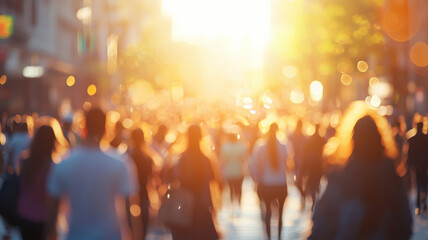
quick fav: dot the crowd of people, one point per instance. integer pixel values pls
(110, 180)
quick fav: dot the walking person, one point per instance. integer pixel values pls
(313, 167)
(232, 155)
(195, 173)
(418, 161)
(268, 167)
(366, 198)
(144, 167)
(19, 142)
(298, 140)
(32, 200)
(93, 182)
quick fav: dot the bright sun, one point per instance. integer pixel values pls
(237, 22)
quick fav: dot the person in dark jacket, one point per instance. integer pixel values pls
(313, 164)
(418, 161)
(366, 199)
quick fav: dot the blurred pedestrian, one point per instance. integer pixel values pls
(67, 128)
(32, 200)
(313, 168)
(268, 168)
(195, 173)
(366, 199)
(19, 142)
(144, 167)
(418, 161)
(93, 182)
(232, 156)
(298, 141)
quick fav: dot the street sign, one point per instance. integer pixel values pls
(6, 26)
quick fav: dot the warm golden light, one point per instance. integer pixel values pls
(114, 116)
(375, 101)
(84, 14)
(140, 92)
(135, 210)
(346, 79)
(419, 54)
(297, 96)
(316, 90)
(70, 81)
(362, 66)
(92, 89)
(3, 79)
(87, 106)
(373, 81)
(289, 71)
(238, 25)
(127, 123)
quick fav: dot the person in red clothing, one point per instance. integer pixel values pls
(32, 200)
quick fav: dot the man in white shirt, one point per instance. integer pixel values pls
(92, 181)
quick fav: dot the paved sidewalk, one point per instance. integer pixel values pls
(246, 224)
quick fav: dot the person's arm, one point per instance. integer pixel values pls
(53, 206)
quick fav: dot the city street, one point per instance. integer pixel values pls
(246, 223)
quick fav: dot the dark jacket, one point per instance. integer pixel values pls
(418, 150)
(365, 200)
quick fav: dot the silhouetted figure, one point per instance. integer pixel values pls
(366, 199)
(268, 168)
(313, 164)
(298, 141)
(159, 144)
(92, 181)
(32, 200)
(232, 154)
(144, 165)
(195, 173)
(418, 160)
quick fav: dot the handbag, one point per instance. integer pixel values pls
(9, 194)
(177, 207)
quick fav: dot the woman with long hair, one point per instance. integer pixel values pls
(268, 167)
(32, 201)
(365, 198)
(195, 173)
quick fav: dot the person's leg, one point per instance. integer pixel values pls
(418, 187)
(267, 217)
(239, 190)
(424, 189)
(145, 205)
(30, 230)
(281, 201)
(231, 190)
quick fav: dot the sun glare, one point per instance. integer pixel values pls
(242, 25)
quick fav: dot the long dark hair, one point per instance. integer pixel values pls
(367, 140)
(41, 150)
(272, 146)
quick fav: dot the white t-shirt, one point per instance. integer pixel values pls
(91, 180)
(260, 168)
